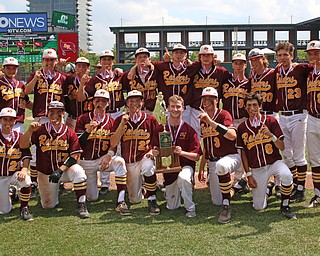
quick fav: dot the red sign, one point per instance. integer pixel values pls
(20, 44)
(37, 44)
(68, 46)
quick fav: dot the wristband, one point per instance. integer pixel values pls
(221, 129)
(274, 138)
(111, 153)
(249, 173)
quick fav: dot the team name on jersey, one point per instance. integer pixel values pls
(135, 134)
(47, 144)
(148, 86)
(98, 133)
(230, 91)
(260, 86)
(208, 131)
(52, 88)
(313, 85)
(12, 153)
(111, 86)
(286, 81)
(175, 79)
(254, 139)
(8, 94)
(201, 82)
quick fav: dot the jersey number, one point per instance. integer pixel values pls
(294, 93)
(143, 145)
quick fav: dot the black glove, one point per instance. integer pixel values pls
(55, 176)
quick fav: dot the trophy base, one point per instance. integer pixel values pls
(168, 170)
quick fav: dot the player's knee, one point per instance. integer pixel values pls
(286, 178)
(220, 169)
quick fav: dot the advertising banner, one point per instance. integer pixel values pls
(68, 46)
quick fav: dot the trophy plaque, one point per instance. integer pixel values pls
(166, 161)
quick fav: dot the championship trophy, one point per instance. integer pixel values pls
(166, 161)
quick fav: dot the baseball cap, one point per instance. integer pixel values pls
(8, 112)
(70, 68)
(49, 54)
(206, 49)
(142, 50)
(179, 47)
(82, 60)
(106, 53)
(101, 93)
(134, 93)
(55, 104)
(239, 56)
(254, 53)
(313, 45)
(10, 61)
(209, 91)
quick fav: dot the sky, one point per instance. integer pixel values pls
(109, 13)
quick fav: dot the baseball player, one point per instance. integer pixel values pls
(97, 154)
(58, 151)
(313, 90)
(11, 172)
(12, 92)
(260, 139)
(134, 130)
(187, 146)
(144, 80)
(219, 137)
(75, 108)
(292, 101)
(47, 85)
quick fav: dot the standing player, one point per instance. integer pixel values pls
(187, 146)
(75, 108)
(135, 130)
(12, 92)
(219, 137)
(313, 135)
(260, 138)
(11, 173)
(144, 80)
(292, 101)
(47, 85)
(58, 150)
(94, 129)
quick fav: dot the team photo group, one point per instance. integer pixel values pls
(239, 132)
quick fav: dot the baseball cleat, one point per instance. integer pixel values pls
(278, 191)
(104, 191)
(288, 213)
(34, 190)
(270, 187)
(154, 208)
(83, 212)
(123, 209)
(25, 214)
(225, 215)
(314, 202)
(244, 186)
(298, 197)
(191, 214)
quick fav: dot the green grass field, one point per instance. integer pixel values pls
(61, 232)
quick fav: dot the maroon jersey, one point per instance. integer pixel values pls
(11, 155)
(233, 94)
(74, 107)
(215, 78)
(47, 89)
(217, 145)
(110, 83)
(174, 80)
(98, 142)
(53, 148)
(11, 95)
(313, 93)
(265, 85)
(147, 87)
(259, 149)
(292, 87)
(136, 138)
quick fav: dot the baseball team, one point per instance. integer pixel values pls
(250, 133)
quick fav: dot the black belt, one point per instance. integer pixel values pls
(266, 112)
(316, 115)
(114, 110)
(291, 112)
(214, 158)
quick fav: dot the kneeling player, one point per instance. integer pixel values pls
(11, 156)
(260, 138)
(57, 151)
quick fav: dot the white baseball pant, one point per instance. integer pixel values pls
(313, 140)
